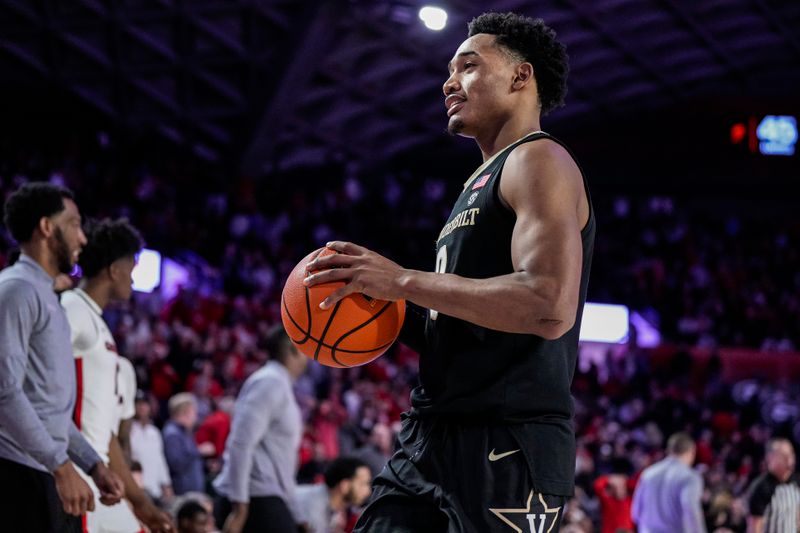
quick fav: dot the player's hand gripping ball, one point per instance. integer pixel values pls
(355, 331)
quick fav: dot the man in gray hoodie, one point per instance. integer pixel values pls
(38, 439)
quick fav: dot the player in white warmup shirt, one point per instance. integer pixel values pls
(103, 381)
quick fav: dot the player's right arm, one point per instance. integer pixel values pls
(252, 413)
(19, 313)
(144, 508)
(543, 186)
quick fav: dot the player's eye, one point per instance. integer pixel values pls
(469, 65)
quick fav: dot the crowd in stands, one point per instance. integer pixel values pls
(701, 279)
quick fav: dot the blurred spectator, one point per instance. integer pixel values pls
(183, 457)
(615, 503)
(774, 497)
(192, 518)
(202, 499)
(147, 449)
(257, 482)
(667, 497)
(377, 451)
(214, 429)
(323, 506)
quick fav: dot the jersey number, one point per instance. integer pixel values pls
(441, 268)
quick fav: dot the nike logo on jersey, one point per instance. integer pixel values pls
(496, 457)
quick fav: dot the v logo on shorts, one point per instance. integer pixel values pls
(533, 517)
(496, 457)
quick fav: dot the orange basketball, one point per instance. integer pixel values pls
(355, 331)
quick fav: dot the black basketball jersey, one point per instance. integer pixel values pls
(470, 370)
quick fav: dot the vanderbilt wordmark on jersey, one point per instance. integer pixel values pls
(464, 218)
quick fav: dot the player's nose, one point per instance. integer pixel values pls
(451, 85)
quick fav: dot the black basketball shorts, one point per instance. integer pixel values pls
(453, 477)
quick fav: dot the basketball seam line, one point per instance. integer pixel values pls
(374, 317)
(325, 332)
(308, 337)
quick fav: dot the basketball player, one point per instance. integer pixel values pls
(107, 262)
(40, 485)
(489, 443)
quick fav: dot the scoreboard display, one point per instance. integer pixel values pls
(770, 135)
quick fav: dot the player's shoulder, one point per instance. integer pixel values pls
(541, 152)
(79, 313)
(70, 298)
(540, 171)
(265, 378)
(25, 295)
(73, 304)
(17, 287)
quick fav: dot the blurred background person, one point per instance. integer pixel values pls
(324, 505)
(147, 448)
(183, 457)
(668, 494)
(774, 497)
(257, 482)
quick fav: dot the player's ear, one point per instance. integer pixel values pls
(113, 270)
(46, 226)
(523, 75)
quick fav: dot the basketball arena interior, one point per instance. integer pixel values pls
(238, 136)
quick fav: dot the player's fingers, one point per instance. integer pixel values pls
(89, 503)
(69, 506)
(345, 247)
(326, 276)
(337, 295)
(330, 261)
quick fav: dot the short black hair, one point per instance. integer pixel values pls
(108, 240)
(341, 469)
(27, 205)
(189, 510)
(531, 40)
(278, 343)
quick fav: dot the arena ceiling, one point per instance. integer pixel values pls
(284, 83)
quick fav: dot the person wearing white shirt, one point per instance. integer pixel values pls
(147, 448)
(107, 264)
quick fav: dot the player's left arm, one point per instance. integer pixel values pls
(143, 507)
(544, 187)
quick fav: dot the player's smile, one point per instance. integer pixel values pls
(454, 103)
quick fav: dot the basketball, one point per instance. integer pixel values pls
(355, 331)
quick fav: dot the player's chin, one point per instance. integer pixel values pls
(455, 125)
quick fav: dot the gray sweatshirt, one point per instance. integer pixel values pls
(668, 499)
(261, 451)
(37, 374)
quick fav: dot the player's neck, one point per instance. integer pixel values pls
(38, 251)
(510, 132)
(336, 500)
(97, 291)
